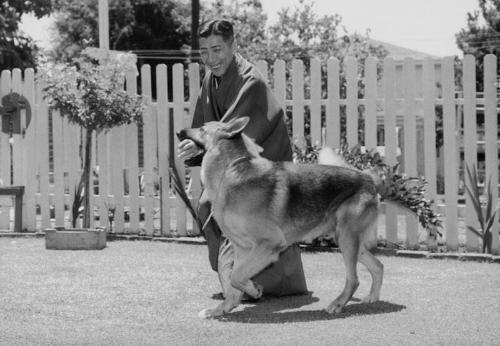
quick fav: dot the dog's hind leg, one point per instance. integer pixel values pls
(349, 245)
(376, 269)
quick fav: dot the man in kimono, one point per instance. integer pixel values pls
(233, 87)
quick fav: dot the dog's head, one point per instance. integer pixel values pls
(210, 133)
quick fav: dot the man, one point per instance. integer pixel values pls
(233, 87)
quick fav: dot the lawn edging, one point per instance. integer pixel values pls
(460, 256)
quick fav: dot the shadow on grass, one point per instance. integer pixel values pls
(277, 310)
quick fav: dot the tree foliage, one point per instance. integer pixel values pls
(481, 36)
(299, 33)
(134, 25)
(17, 49)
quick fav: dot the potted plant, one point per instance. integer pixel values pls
(89, 92)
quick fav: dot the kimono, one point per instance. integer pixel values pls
(242, 91)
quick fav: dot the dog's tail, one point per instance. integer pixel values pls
(327, 156)
(399, 192)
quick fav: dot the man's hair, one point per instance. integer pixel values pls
(219, 27)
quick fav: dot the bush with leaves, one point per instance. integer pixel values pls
(89, 91)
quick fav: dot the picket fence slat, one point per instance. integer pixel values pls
(371, 103)
(103, 157)
(298, 102)
(149, 150)
(333, 104)
(263, 69)
(280, 81)
(450, 147)
(429, 115)
(117, 206)
(17, 144)
(132, 159)
(5, 155)
(179, 123)
(410, 142)
(470, 142)
(491, 135)
(316, 102)
(390, 141)
(5, 89)
(59, 165)
(352, 101)
(30, 155)
(194, 89)
(163, 146)
(43, 159)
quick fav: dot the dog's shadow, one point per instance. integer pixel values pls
(277, 310)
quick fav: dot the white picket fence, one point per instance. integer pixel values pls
(399, 113)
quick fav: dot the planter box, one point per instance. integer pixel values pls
(75, 239)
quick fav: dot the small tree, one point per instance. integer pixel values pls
(89, 91)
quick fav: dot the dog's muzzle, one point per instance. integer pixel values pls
(182, 135)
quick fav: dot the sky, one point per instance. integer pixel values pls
(428, 26)
(425, 26)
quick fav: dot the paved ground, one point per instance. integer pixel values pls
(149, 293)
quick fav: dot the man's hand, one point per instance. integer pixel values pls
(188, 149)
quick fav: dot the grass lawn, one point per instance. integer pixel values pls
(150, 293)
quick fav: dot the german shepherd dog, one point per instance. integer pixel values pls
(263, 207)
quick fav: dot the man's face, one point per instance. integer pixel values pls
(216, 54)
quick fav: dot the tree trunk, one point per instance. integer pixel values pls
(86, 177)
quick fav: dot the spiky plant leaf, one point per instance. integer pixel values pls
(473, 191)
(475, 231)
(489, 204)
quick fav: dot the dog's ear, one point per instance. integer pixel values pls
(235, 126)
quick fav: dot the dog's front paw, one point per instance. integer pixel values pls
(334, 308)
(210, 313)
(260, 289)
